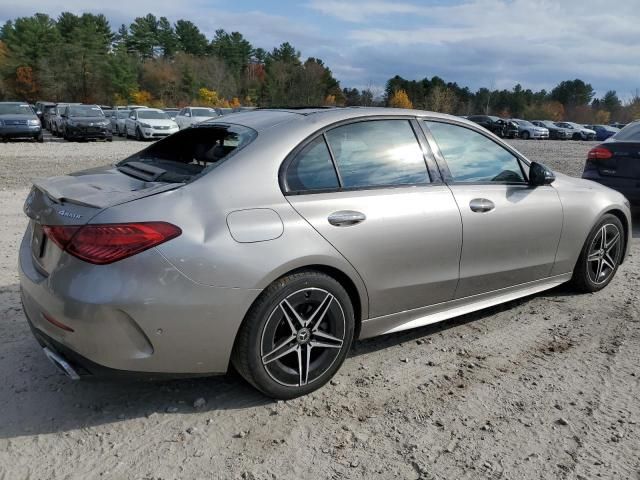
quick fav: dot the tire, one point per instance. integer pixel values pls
(598, 263)
(525, 135)
(267, 325)
(139, 136)
(576, 136)
(591, 137)
(117, 132)
(40, 138)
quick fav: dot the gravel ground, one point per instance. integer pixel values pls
(543, 387)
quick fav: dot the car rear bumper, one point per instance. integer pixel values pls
(136, 315)
(629, 187)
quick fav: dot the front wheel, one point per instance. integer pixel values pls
(139, 134)
(296, 336)
(525, 135)
(600, 256)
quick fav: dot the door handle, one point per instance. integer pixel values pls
(345, 218)
(481, 205)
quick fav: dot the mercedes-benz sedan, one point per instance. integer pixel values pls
(271, 240)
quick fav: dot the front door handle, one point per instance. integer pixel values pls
(345, 218)
(481, 205)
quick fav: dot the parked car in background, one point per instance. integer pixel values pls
(172, 112)
(511, 129)
(603, 131)
(578, 132)
(618, 125)
(149, 123)
(18, 120)
(57, 120)
(85, 122)
(555, 132)
(616, 162)
(47, 115)
(40, 109)
(494, 124)
(118, 122)
(223, 110)
(527, 130)
(160, 264)
(190, 115)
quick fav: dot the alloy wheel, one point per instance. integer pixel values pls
(303, 337)
(604, 254)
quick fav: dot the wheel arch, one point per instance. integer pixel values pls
(619, 214)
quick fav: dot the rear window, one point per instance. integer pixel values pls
(630, 133)
(183, 156)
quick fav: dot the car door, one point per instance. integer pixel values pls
(511, 229)
(368, 189)
(130, 124)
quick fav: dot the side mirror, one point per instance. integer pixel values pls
(540, 175)
(187, 114)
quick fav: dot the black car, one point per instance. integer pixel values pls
(18, 120)
(616, 162)
(85, 122)
(501, 127)
(555, 132)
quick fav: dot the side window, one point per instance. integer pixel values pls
(312, 169)
(378, 153)
(472, 157)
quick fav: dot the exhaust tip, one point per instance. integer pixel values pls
(61, 364)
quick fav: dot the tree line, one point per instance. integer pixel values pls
(151, 61)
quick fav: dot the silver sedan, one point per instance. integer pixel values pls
(274, 239)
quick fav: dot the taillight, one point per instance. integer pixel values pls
(107, 243)
(599, 153)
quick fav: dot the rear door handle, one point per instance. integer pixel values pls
(481, 205)
(345, 218)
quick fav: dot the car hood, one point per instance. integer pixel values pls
(158, 122)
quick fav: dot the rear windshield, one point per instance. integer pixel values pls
(630, 133)
(85, 111)
(204, 112)
(15, 109)
(153, 115)
(185, 155)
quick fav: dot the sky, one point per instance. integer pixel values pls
(476, 43)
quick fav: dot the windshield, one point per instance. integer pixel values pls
(123, 113)
(630, 133)
(153, 115)
(523, 122)
(15, 109)
(204, 112)
(85, 111)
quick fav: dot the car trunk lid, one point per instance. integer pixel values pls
(73, 200)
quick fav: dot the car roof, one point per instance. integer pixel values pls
(264, 118)
(148, 110)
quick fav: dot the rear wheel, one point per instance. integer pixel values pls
(600, 256)
(296, 336)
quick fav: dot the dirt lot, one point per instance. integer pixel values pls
(543, 387)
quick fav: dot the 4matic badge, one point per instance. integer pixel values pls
(64, 213)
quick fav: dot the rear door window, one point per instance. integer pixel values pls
(378, 153)
(312, 169)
